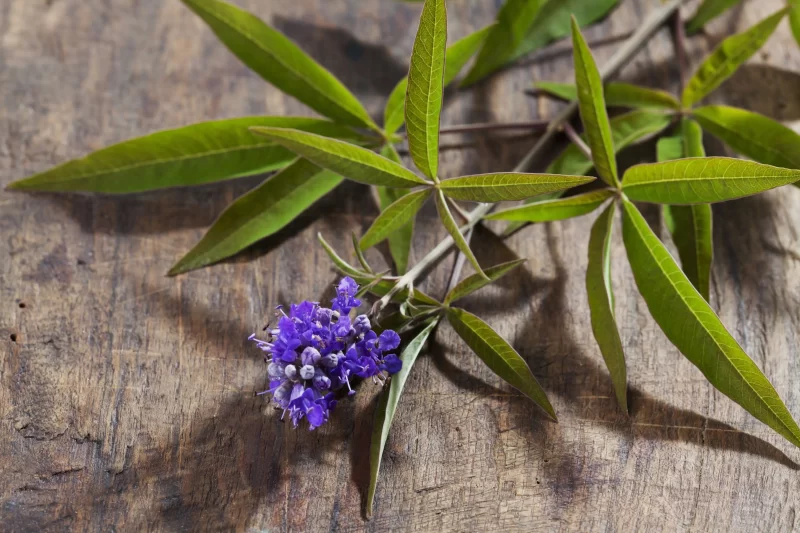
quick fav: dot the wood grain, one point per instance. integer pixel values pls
(126, 397)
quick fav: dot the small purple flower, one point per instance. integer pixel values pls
(316, 351)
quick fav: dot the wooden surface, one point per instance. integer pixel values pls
(126, 397)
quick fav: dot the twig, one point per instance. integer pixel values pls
(488, 126)
(576, 139)
(459, 264)
(650, 25)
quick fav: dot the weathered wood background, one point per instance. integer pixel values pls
(126, 397)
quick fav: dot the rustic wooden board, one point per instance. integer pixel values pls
(126, 397)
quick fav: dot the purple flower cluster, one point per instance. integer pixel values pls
(315, 351)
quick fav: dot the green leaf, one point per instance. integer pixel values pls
(593, 109)
(387, 406)
(281, 62)
(690, 225)
(702, 180)
(191, 155)
(559, 209)
(601, 303)
(425, 86)
(345, 267)
(352, 162)
(362, 260)
(794, 19)
(513, 20)
(499, 356)
(553, 22)
(626, 129)
(456, 57)
(758, 137)
(452, 228)
(617, 94)
(708, 10)
(727, 57)
(260, 213)
(668, 148)
(474, 282)
(400, 239)
(692, 326)
(418, 298)
(508, 186)
(394, 217)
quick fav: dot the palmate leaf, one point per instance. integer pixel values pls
(691, 225)
(553, 22)
(593, 109)
(394, 217)
(558, 209)
(281, 62)
(692, 326)
(512, 22)
(498, 355)
(626, 129)
(456, 57)
(454, 231)
(708, 10)
(702, 180)
(191, 155)
(387, 406)
(400, 239)
(260, 213)
(617, 94)
(727, 57)
(508, 186)
(474, 282)
(352, 162)
(753, 135)
(601, 303)
(425, 85)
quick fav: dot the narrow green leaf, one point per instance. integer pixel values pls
(425, 86)
(456, 57)
(692, 326)
(794, 19)
(708, 10)
(281, 62)
(508, 186)
(691, 225)
(617, 94)
(753, 135)
(702, 180)
(191, 155)
(352, 162)
(387, 406)
(513, 21)
(345, 267)
(452, 228)
(362, 260)
(400, 239)
(559, 209)
(626, 129)
(260, 213)
(499, 356)
(474, 282)
(418, 298)
(601, 303)
(669, 148)
(553, 22)
(394, 217)
(593, 109)
(727, 57)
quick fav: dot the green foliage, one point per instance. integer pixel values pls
(452, 228)
(727, 58)
(558, 209)
(499, 356)
(708, 10)
(476, 281)
(702, 180)
(400, 239)
(394, 217)
(281, 62)
(508, 186)
(617, 94)
(601, 303)
(425, 86)
(593, 109)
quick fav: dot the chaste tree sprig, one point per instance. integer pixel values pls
(315, 351)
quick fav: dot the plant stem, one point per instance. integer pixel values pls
(650, 25)
(576, 139)
(488, 126)
(459, 265)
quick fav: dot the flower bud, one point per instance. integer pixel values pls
(291, 371)
(310, 356)
(307, 372)
(330, 360)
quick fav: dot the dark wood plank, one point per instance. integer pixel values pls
(126, 397)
